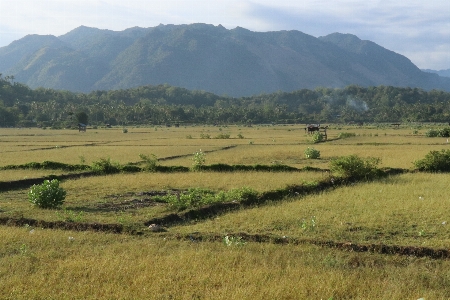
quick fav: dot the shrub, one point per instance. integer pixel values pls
(312, 153)
(196, 197)
(198, 160)
(431, 133)
(205, 136)
(151, 162)
(434, 161)
(317, 137)
(444, 132)
(105, 166)
(47, 195)
(355, 167)
(125, 130)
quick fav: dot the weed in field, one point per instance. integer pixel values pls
(240, 136)
(47, 195)
(189, 137)
(68, 215)
(312, 153)
(233, 241)
(205, 136)
(309, 225)
(23, 249)
(198, 160)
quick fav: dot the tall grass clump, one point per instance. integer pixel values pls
(47, 195)
(355, 167)
(434, 161)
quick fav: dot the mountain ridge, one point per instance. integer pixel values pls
(236, 62)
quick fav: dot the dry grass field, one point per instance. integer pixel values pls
(302, 246)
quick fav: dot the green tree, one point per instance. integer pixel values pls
(82, 117)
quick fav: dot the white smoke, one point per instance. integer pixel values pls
(357, 104)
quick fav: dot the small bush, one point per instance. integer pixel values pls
(198, 160)
(197, 197)
(47, 195)
(105, 166)
(355, 167)
(125, 130)
(312, 153)
(431, 133)
(151, 162)
(444, 132)
(205, 136)
(434, 161)
(317, 137)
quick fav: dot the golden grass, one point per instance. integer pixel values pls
(12, 175)
(89, 191)
(410, 209)
(46, 264)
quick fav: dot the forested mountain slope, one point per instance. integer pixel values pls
(236, 62)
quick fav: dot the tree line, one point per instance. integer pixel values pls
(21, 106)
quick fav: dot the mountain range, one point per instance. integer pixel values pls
(236, 62)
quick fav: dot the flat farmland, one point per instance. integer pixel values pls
(304, 234)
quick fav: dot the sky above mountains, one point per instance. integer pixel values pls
(417, 29)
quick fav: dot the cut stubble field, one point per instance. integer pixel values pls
(297, 242)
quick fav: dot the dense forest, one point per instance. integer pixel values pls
(21, 106)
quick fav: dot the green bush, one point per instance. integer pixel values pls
(151, 162)
(434, 161)
(355, 167)
(444, 132)
(198, 160)
(312, 153)
(317, 137)
(196, 197)
(105, 166)
(432, 133)
(47, 195)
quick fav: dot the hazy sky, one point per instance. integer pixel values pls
(418, 29)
